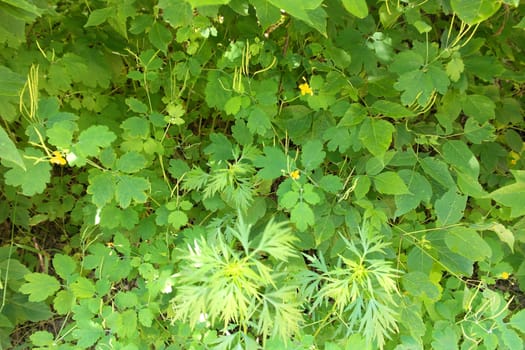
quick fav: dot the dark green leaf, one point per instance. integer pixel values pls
(450, 208)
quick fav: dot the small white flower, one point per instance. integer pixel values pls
(97, 216)
(71, 157)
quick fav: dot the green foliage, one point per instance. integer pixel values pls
(226, 174)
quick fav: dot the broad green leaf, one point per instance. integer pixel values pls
(136, 127)
(479, 107)
(312, 155)
(176, 12)
(511, 338)
(11, 83)
(9, 151)
(512, 195)
(391, 109)
(258, 121)
(233, 106)
(160, 36)
(467, 242)
(131, 188)
(475, 11)
(450, 208)
(331, 183)
(99, 16)
(504, 234)
(445, 338)
(87, 333)
(102, 188)
(267, 14)
(39, 286)
(64, 266)
(376, 135)
(131, 162)
(419, 85)
(273, 163)
(61, 133)
(517, 321)
(136, 105)
(177, 219)
(459, 155)
(358, 8)
(302, 216)
(91, 140)
(470, 185)
(289, 199)
(36, 176)
(64, 302)
(476, 133)
(438, 170)
(455, 67)
(220, 148)
(308, 11)
(338, 138)
(419, 285)
(178, 168)
(390, 182)
(146, 317)
(420, 190)
(83, 288)
(42, 338)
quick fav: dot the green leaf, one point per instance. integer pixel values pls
(358, 8)
(64, 302)
(504, 234)
(83, 288)
(160, 36)
(467, 242)
(475, 11)
(420, 85)
(308, 11)
(233, 106)
(131, 188)
(258, 121)
(312, 154)
(36, 176)
(136, 105)
(64, 266)
(438, 170)
(39, 286)
(512, 195)
(9, 151)
(267, 14)
(445, 338)
(476, 133)
(390, 182)
(459, 155)
(91, 140)
(391, 109)
(455, 67)
(102, 188)
(420, 190)
(99, 16)
(87, 333)
(376, 135)
(511, 338)
(177, 13)
(450, 208)
(418, 284)
(42, 338)
(61, 133)
(289, 199)
(302, 216)
(337, 137)
(220, 148)
(131, 162)
(136, 127)
(273, 163)
(177, 219)
(479, 107)
(146, 317)
(331, 183)
(517, 321)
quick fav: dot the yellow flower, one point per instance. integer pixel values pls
(57, 158)
(505, 275)
(306, 89)
(296, 174)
